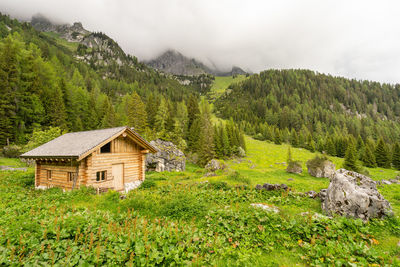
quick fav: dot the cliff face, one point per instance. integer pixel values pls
(71, 33)
(94, 48)
(175, 63)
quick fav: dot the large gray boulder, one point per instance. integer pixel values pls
(320, 167)
(168, 157)
(354, 195)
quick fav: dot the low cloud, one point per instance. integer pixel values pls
(355, 39)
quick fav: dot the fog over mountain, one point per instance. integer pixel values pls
(356, 39)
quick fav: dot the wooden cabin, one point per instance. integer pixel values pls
(105, 159)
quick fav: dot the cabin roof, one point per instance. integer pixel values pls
(78, 144)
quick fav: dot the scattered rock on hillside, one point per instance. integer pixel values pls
(210, 174)
(272, 187)
(354, 195)
(168, 157)
(241, 153)
(311, 194)
(214, 165)
(322, 194)
(265, 207)
(385, 182)
(320, 167)
(294, 167)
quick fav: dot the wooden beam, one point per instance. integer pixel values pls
(146, 151)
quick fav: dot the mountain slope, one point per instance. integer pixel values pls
(173, 62)
(314, 111)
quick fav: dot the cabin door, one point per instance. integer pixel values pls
(118, 176)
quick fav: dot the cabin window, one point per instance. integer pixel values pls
(101, 176)
(49, 175)
(70, 176)
(106, 148)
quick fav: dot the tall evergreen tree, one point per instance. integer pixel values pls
(136, 113)
(277, 137)
(368, 157)
(396, 156)
(350, 159)
(206, 150)
(382, 154)
(226, 146)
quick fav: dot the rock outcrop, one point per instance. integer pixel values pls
(168, 157)
(214, 165)
(320, 167)
(294, 167)
(354, 195)
(272, 187)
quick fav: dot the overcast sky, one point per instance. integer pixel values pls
(352, 38)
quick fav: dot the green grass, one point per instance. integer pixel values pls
(71, 46)
(11, 162)
(184, 218)
(221, 84)
(263, 164)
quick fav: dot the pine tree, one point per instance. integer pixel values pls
(294, 138)
(350, 159)
(277, 137)
(109, 119)
(151, 109)
(382, 154)
(192, 109)
(226, 146)
(136, 112)
(243, 142)
(8, 83)
(206, 150)
(218, 142)
(396, 156)
(330, 147)
(289, 155)
(160, 120)
(368, 157)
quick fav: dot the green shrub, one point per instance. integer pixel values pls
(11, 151)
(111, 196)
(184, 206)
(83, 192)
(238, 178)
(148, 184)
(317, 161)
(27, 180)
(218, 185)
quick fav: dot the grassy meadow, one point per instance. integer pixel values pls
(185, 218)
(221, 83)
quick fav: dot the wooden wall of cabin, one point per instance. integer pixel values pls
(59, 174)
(123, 150)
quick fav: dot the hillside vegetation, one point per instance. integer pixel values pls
(185, 218)
(317, 112)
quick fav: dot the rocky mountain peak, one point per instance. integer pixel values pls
(173, 62)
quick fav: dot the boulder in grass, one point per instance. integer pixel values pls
(294, 167)
(354, 195)
(214, 165)
(320, 167)
(167, 158)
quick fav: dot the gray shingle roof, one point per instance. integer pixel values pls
(73, 144)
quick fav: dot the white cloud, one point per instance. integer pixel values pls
(357, 39)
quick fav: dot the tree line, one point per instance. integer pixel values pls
(42, 86)
(317, 112)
